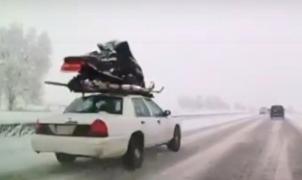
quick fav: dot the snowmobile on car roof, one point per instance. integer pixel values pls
(111, 69)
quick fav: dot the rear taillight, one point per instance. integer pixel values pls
(98, 129)
(72, 65)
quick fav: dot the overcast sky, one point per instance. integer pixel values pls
(243, 51)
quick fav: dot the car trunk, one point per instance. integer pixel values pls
(70, 124)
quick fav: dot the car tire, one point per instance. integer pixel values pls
(175, 143)
(65, 158)
(134, 156)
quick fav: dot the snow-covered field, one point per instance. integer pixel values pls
(19, 123)
(7, 117)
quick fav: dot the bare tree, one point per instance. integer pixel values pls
(24, 61)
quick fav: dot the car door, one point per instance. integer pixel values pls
(163, 122)
(148, 123)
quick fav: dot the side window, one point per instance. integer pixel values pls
(156, 110)
(141, 110)
(109, 104)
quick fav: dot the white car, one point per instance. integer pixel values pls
(263, 110)
(107, 126)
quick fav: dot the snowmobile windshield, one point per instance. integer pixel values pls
(95, 104)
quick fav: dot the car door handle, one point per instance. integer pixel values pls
(158, 121)
(142, 122)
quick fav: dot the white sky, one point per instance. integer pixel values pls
(243, 51)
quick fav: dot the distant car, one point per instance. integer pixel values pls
(105, 126)
(263, 111)
(277, 111)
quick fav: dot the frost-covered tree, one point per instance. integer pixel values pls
(24, 60)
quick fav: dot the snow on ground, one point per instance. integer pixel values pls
(296, 119)
(8, 117)
(9, 130)
(208, 121)
(16, 153)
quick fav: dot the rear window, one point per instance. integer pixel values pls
(277, 108)
(95, 104)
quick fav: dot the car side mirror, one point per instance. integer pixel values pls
(166, 113)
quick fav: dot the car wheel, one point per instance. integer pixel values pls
(65, 158)
(134, 157)
(174, 144)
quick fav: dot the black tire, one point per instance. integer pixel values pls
(65, 158)
(134, 156)
(175, 143)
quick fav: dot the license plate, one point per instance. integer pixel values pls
(60, 129)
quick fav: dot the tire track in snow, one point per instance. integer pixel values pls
(239, 162)
(268, 161)
(263, 156)
(283, 169)
(193, 144)
(206, 133)
(202, 161)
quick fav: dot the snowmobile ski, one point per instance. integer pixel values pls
(101, 87)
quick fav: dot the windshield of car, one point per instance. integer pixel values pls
(95, 104)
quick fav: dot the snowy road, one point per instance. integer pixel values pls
(250, 148)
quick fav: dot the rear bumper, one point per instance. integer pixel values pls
(277, 115)
(84, 146)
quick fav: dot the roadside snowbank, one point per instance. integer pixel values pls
(210, 120)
